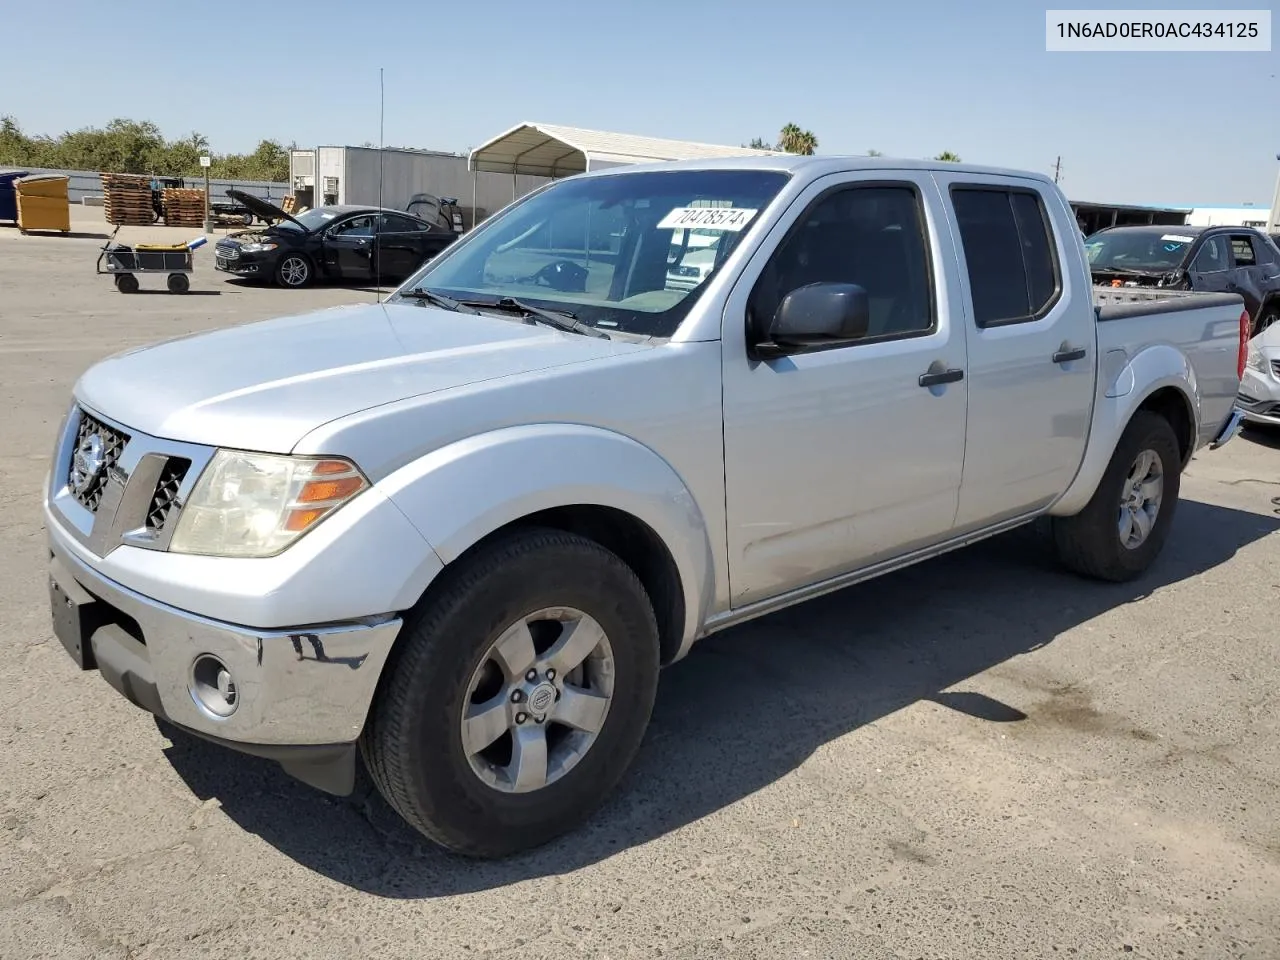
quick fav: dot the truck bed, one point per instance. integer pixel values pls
(1203, 326)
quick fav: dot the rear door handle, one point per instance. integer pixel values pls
(1065, 356)
(941, 377)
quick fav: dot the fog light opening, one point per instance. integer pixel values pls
(213, 687)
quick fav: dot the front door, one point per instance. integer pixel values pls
(348, 248)
(842, 456)
(1032, 346)
(1210, 269)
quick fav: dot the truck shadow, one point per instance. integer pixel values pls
(747, 707)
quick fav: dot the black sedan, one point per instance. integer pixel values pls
(345, 243)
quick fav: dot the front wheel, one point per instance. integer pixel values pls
(1122, 529)
(294, 270)
(518, 696)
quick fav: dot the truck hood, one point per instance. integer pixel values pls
(264, 386)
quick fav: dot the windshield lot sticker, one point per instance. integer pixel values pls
(707, 218)
(1176, 239)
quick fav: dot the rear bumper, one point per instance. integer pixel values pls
(1229, 428)
(300, 697)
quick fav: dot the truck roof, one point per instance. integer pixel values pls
(818, 165)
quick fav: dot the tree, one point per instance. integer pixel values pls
(758, 143)
(874, 153)
(794, 140)
(946, 156)
(132, 146)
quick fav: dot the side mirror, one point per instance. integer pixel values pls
(820, 314)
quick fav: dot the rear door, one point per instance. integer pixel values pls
(399, 246)
(1032, 345)
(1249, 264)
(838, 457)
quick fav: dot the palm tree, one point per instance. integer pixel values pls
(946, 156)
(794, 140)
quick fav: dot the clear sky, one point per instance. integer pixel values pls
(908, 79)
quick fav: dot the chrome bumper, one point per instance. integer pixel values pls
(1229, 428)
(311, 686)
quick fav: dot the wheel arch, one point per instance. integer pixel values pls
(584, 480)
(1171, 392)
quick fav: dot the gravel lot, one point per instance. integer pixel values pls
(980, 757)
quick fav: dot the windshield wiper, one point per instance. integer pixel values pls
(560, 319)
(439, 300)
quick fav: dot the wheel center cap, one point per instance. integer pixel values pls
(541, 698)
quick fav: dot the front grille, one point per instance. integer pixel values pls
(87, 486)
(227, 251)
(165, 497)
(1275, 367)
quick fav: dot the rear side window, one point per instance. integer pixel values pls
(1242, 250)
(1008, 248)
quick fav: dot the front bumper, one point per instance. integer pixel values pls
(1259, 397)
(245, 265)
(300, 696)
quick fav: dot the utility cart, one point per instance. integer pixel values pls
(123, 263)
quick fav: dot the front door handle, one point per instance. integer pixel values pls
(940, 377)
(1067, 355)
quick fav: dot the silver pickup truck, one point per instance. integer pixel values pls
(456, 534)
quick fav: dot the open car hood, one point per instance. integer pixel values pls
(260, 208)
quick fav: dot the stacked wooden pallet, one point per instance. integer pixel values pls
(289, 203)
(183, 207)
(127, 199)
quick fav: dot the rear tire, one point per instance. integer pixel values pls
(1093, 542)
(178, 283)
(428, 762)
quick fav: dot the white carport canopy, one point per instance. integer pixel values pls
(545, 150)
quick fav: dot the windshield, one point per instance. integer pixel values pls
(1145, 250)
(627, 252)
(311, 219)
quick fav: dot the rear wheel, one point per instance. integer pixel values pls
(178, 283)
(1122, 529)
(518, 696)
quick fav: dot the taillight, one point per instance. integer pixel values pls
(1242, 355)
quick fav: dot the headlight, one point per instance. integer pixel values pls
(1255, 359)
(256, 504)
(257, 247)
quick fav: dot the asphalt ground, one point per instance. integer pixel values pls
(979, 757)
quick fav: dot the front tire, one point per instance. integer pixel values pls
(294, 270)
(518, 695)
(1122, 529)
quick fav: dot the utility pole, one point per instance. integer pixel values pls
(1273, 219)
(1057, 169)
(206, 162)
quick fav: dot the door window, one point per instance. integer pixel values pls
(1009, 252)
(391, 223)
(1212, 257)
(355, 227)
(873, 236)
(1242, 251)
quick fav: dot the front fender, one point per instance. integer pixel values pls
(462, 492)
(1120, 393)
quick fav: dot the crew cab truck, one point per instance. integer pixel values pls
(455, 535)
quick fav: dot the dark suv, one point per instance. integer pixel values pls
(1239, 260)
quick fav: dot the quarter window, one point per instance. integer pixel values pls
(1009, 251)
(871, 235)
